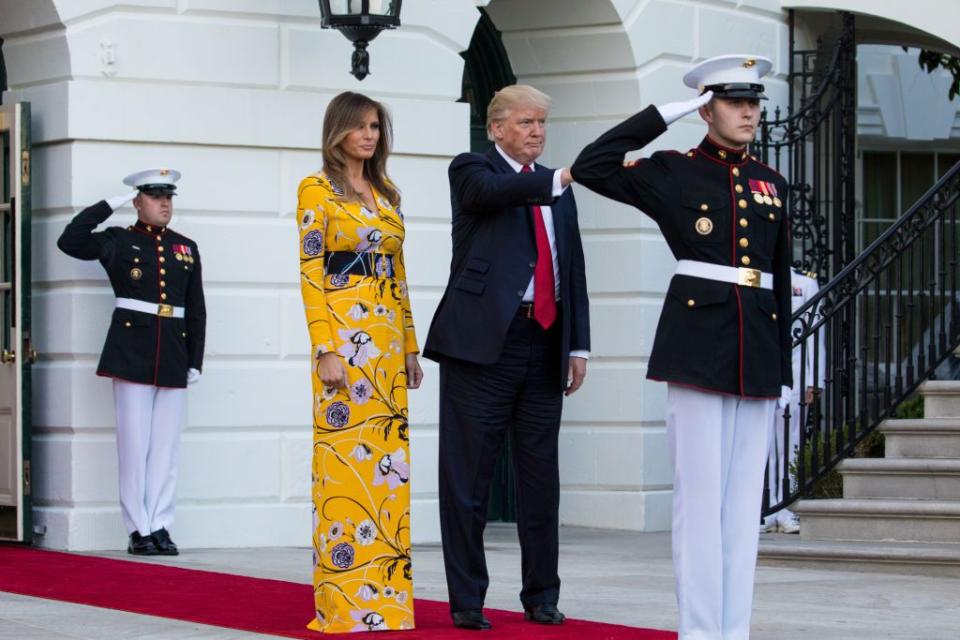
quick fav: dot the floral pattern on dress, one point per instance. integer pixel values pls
(360, 470)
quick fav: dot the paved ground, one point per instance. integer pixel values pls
(611, 576)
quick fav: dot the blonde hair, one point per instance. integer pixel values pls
(344, 114)
(511, 97)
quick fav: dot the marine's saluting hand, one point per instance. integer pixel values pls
(673, 111)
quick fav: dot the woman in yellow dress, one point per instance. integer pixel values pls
(364, 358)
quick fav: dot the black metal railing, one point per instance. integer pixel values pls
(882, 325)
(814, 146)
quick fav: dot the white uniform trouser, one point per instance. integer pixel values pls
(776, 471)
(719, 446)
(148, 446)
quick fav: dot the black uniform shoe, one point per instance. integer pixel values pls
(471, 619)
(142, 545)
(544, 614)
(165, 546)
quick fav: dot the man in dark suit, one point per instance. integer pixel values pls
(512, 335)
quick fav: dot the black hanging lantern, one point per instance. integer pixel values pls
(360, 21)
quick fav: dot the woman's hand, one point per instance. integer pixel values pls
(414, 372)
(331, 370)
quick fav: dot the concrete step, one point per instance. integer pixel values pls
(922, 438)
(781, 550)
(941, 398)
(880, 520)
(901, 478)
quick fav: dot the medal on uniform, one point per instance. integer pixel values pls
(704, 226)
(135, 274)
(758, 197)
(776, 201)
(767, 200)
(179, 256)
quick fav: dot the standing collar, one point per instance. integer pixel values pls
(724, 154)
(140, 225)
(516, 166)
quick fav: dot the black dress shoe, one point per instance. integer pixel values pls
(544, 614)
(165, 546)
(471, 619)
(142, 545)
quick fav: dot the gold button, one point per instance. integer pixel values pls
(742, 203)
(744, 223)
(127, 324)
(689, 154)
(160, 248)
(163, 296)
(704, 207)
(136, 259)
(773, 315)
(163, 271)
(722, 154)
(691, 302)
(745, 259)
(773, 217)
(159, 238)
(738, 188)
(735, 171)
(149, 228)
(743, 243)
(163, 283)
(184, 334)
(162, 259)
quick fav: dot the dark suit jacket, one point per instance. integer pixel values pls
(713, 335)
(144, 347)
(494, 254)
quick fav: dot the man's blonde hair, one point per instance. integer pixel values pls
(511, 97)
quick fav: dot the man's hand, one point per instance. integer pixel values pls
(673, 111)
(193, 376)
(575, 374)
(331, 371)
(118, 201)
(414, 372)
(566, 178)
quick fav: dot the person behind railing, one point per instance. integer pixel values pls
(722, 343)
(811, 358)
(154, 347)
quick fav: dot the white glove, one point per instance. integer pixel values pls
(193, 375)
(118, 201)
(785, 394)
(673, 111)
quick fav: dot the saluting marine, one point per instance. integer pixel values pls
(154, 346)
(722, 343)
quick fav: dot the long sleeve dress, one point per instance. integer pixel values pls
(355, 297)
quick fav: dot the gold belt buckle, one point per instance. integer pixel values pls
(748, 277)
(165, 311)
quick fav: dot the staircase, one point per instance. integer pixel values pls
(899, 513)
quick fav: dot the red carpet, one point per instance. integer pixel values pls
(249, 604)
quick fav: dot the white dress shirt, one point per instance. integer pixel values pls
(547, 213)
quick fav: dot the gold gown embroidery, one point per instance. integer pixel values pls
(362, 573)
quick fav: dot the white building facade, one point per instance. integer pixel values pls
(232, 93)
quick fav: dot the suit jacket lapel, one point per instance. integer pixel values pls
(504, 167)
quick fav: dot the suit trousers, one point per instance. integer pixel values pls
(480, 404)
(719, 446)
(148, 447)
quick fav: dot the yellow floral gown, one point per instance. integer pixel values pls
(363, 579)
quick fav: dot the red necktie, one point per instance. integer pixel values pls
(544, 287)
